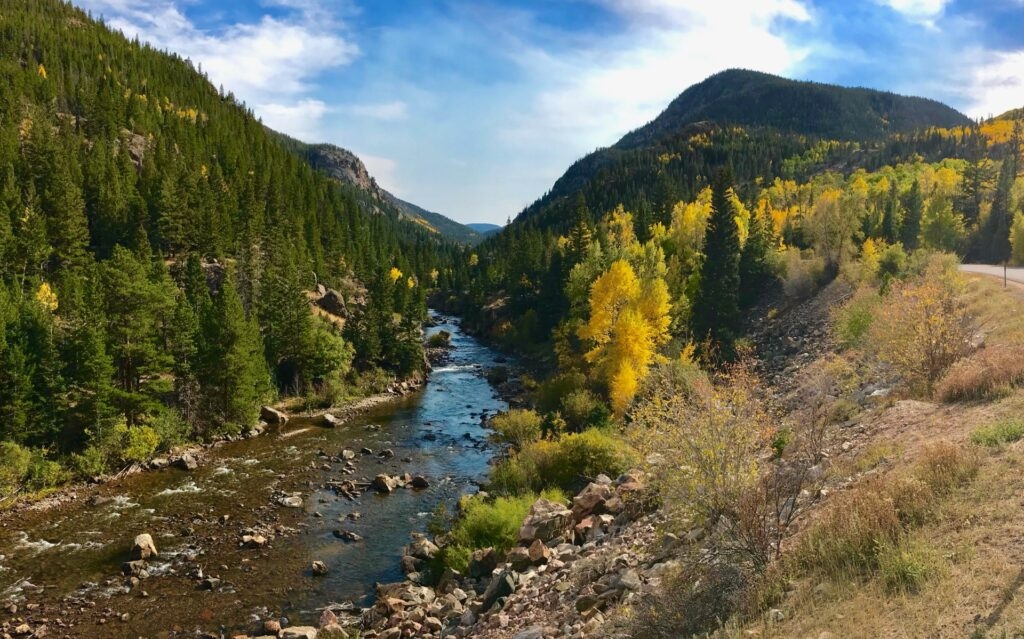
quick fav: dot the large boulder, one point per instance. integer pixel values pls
(299, 632)
(187, 462)
(482, 563)
(590, 501)
(334, 303)
(502, 585)
(332, 421)
(272, 415)
(546, 520)
(144, 548)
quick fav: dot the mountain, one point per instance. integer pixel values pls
(765, 126)
(346, 167)
(158, 249)
(751, 98)
(484, 228)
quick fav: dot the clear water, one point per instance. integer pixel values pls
(77, 550)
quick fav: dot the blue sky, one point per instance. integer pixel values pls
(473, 108)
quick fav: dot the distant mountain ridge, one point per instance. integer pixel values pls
(346, 167)
(484, 228)
(752, 98)
(781, 119)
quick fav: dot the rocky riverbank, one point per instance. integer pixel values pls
(572, 570)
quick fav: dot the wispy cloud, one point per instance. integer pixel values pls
(921, 11)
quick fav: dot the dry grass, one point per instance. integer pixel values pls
(989, 373)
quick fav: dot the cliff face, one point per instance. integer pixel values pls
(345, 166)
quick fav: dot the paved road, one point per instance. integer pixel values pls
(1013, 274)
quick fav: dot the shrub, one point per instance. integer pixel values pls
(852, 321)
(440, 339)
(549, 394)
(691, 604)
(14, 466)
(847, 537)
(702, 449)
(566, 463)
(497, 375)
(999, 433)
(583, 456)
(802, 274)
(517, 427)
(906, 566)
(484, 524)
(945, 466)
(45, 473)
(923, 327)
(582, 409)
(987, 374)
(140, 444)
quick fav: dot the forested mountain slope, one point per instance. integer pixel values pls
(155, 245)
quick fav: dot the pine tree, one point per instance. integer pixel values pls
(913, 205)
(996, 232)
(755, 271)
(233, 375)
(715, 321)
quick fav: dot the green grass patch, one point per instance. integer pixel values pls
(999, 434)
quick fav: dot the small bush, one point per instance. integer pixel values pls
(582, 409)
(567, 463)
(14, 466)
(141, 442)
(440, 339)
(945, 466)
(998, 434)
(905, 567)
(923, 327)
(781, 441)
(549, 394)
(852, 321)
(846, 539)
(485, 524)
(45, 473)
(517, 427)
(987, 374)
(689, 605)
(802, 275)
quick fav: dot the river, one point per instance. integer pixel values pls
(67, 560)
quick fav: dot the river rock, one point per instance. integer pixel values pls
(254, 541)
(332, 421)
(384, 484)
(290, 501)
(387, 453)
(319, 568)
(422, 548)
(502, 585)
(347, 535)
(143, 547)
(546, 520)
(419, 482)
(273, 416)
(298, 632)
(348, 454)
(482, 563)
(272, 627)
(187, 462)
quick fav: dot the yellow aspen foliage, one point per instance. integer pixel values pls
(46, 297)
(742, 216)
(620, 228)
(410, 282)
(394, 274)
(41, 71)
(433, 276)
(629, 320)
(869, 258)
(474, 259)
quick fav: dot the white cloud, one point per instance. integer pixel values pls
(271, 64)
(923, 11)
(997, 85)
(609, 89)
(387, 111)
(300, 119)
